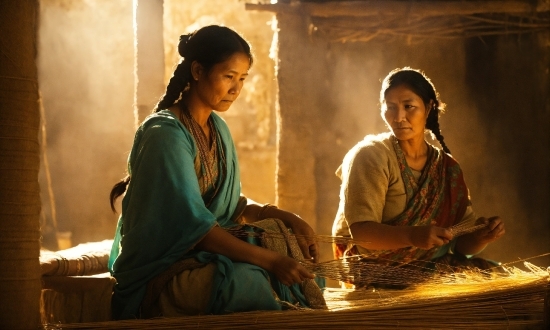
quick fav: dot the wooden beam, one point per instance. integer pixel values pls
(417, 8)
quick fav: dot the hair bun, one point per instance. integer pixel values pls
(182, 46)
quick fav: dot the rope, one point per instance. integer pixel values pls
(46, 162)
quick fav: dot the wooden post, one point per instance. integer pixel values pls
(149, 56)
(19, 165)
(298, 79)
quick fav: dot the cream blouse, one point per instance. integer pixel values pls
(372, 186)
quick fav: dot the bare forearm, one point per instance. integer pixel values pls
(250, 213)
(376, 236)
(287, 270)
(221, 242)
(304, 233)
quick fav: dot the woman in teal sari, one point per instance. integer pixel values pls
(172, 253)
(403, 200)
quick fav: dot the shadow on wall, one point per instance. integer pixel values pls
(509, 81)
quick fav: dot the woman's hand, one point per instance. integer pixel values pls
(287, 270)
(305, 237)
(303, 231)
(378, 236)
(474, 243)
(493, 230)
(427, 237)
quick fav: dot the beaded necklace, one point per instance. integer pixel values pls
(208, 155)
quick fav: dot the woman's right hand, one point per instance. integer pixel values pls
(427, 237)
(287, 270)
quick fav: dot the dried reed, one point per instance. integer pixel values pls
(444, 26)
(458, 301)
(512, 298)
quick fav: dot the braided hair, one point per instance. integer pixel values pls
(208, 46)
(422, 86)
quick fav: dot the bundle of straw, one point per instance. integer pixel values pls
(468, 299)
(458, 301)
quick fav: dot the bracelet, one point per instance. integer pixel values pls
(264, 207)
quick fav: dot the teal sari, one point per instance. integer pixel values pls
(164, 216)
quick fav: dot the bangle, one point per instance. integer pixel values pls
(264, 207)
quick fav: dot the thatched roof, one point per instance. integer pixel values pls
(344, 21)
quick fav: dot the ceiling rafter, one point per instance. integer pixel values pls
(352, 21)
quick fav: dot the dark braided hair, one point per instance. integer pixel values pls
(422, 86)
(208, 46)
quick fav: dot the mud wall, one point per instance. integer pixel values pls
(496, 89)
(508, 83)
(497, 95)
(86, 76)
(251, 118)
(85, 63)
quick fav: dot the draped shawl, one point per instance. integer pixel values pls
(439, 197)
(163, 214)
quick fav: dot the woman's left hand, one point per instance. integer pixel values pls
(473, 243)
(491, 232)
(303, 231)
(304, 235)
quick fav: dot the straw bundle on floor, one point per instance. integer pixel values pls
(83, 259)
(461, 301)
